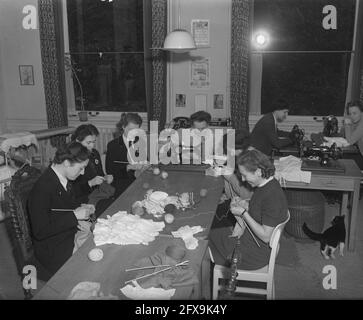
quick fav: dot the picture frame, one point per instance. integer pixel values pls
(26, 74)
(180, 100)
(218, 101)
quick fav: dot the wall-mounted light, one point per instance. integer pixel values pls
(260, 39)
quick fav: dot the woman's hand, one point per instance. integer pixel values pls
(137, 166)
(82, 213)
(96, 181)
(237, 211)
(347, 121)
(109, 178)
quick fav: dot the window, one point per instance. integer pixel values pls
(304, 63)
(107, 54)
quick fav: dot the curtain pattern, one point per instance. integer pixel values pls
(51, 53)
(157, 110)
(240, 46)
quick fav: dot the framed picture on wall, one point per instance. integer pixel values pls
(218, 101)
(180, 100)
(26, 74)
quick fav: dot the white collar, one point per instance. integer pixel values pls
(63, 180)
(265, 182)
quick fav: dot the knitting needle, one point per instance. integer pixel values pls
(124, 162)
(63, 210)
(248, 228)
(157, 266)
(154, 273)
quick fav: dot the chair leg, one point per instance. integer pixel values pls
(215, 285)
(271, 291)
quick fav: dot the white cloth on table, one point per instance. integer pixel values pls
(139, 293)
(289, 169)
(339, 141)
(124, 229)
(89, 291)
(187, 234)
(16, 140)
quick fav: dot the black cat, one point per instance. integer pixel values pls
(330, 238)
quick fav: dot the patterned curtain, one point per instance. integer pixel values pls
(157, 109)
(52, 52)
(242, 15)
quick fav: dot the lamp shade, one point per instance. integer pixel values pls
(179, 41)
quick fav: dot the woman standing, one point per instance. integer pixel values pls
(266, 209)
(353, 129)
(53, 209)
(93, 176)
(117, 163)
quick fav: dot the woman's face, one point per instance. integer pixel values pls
(74, 170)
(89, 142)
(130, 126)
(253, 178)
(355, 114)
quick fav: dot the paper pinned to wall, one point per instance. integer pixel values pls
(200, 102)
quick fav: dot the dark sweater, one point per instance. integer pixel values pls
(268, 206)
(117, 151)
(94, 168)
(265, 135)
(52, 232)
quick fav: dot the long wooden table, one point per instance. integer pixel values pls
(348, 183)
(109, 272)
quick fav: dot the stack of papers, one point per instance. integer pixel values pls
(123, 229)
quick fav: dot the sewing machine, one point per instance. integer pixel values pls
(322, 158)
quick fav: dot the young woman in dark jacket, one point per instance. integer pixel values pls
(117, 163)
(53, 209)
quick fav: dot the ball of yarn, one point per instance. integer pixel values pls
(169, 208)
(169, 218)
(95, 254)
(203, 192)
(156, 171)
(164, 174)
(175, 252)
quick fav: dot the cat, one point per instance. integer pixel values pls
(330, 238)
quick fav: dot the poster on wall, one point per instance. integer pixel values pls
(199, 75)
(200, 32)
(218, 101)
(180, 100)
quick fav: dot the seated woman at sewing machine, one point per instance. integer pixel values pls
(117, 163)
(266, 209)
(353, 129)
(54, 211)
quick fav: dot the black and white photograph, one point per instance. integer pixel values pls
(176, 153)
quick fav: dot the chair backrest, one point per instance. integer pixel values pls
(16, 197)
(275, 243)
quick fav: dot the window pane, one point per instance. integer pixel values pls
(297, 24)
(105, 26)
(314, 84)
(115, 82)
(115, 79)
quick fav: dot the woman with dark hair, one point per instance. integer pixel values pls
(353, 129)
(53, 210)
(93, 176)
(117, 162)
(266, 209)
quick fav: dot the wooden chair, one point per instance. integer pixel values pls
(263, 275)
(18, 229)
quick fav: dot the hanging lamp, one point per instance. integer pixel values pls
(179, 40)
